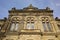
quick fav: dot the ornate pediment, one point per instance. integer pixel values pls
(30, 7)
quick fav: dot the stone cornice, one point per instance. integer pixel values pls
(23, 11)
(30, 8)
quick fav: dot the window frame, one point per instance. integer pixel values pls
(14, 26)
(30, 20)
(46, 20)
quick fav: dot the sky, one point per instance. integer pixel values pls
(6, 5)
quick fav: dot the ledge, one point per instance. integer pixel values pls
(30, 30)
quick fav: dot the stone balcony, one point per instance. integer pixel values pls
(25, 31)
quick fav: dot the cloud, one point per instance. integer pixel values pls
(57, 4)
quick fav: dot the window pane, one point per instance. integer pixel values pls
(16, 27)
(32, 25)
(49, 26)
(28, 25)
(12, 26)
(44, 25)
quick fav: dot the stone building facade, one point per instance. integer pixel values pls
(30, 23)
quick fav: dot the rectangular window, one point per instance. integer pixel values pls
(49, 26)
(16, 27)
(30, 25)
(12, 26)
(44, 25)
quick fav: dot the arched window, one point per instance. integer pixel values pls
(14, 26)
(30, 23)
(46, 24)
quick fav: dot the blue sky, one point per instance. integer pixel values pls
(6, 5)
